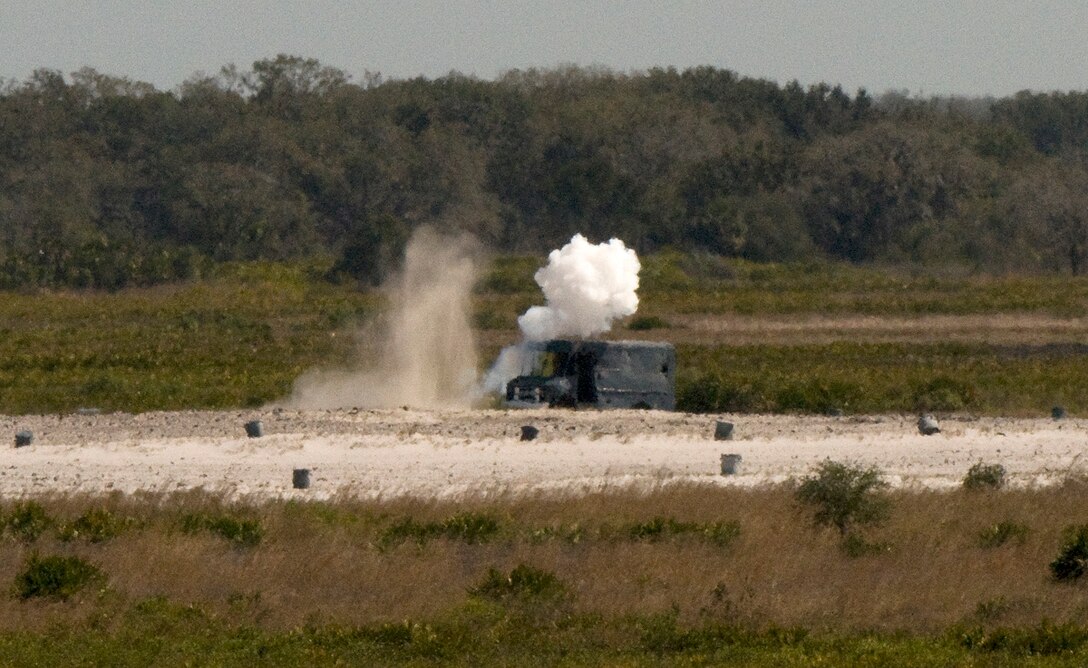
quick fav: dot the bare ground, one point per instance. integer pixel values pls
(452, 454)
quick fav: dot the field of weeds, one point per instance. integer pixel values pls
(814, 338)
(680, 574)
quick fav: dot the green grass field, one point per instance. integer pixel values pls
(240, 337)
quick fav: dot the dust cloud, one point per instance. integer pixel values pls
(426, 352)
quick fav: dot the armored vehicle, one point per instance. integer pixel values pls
(596, 374)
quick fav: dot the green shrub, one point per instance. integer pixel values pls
(719, 533)
(490, 319)
(1046, 639)
(654, 529)
(855, 546)
(943, 394)
(570, 533)
(819, 396)
(394, 634)
(54, 577)
(662, 634)
(510, 275)
(844, 495)
(700, 394)
(522, 582)
(468, 527)
(239, 532)
(998, 534)
(404, 529)
(94, 526)
(984, 476)
(1073, 554)
(647, 322)
(26, 521)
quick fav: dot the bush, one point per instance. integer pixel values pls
(717, 533)
(943, 394)
(984, 476)
(54, 577)
(654, 530)
(1073, 555)
(701, 394)
(239, 532)
(855, 546)
(467, 527)
(661, 634)
(490, 319)
(998, 534)
(647, 322)
(819, 396)
(1046, 639)
(94, 526)
(844, 495)
(26, 521)
(523, 582)
(720, 533)
(404, 529)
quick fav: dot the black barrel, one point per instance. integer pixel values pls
(300, 478)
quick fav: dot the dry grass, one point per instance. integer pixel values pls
(322, 562)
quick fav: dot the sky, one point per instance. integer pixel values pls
(923, 48)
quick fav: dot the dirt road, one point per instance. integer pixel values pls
(450, 454)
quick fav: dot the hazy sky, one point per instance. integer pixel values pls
(928, 48)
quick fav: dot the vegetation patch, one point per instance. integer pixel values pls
(844, 496)
(526, 582)
(94, 526)
(866, 378)
(467, 527)
(26, 521)
(1001, 533)
(984, 476)
(240, 532)
(1072, 559)
(56, 577)
(659, 528)
(647, 322)
(944, 394)
(1046, 639)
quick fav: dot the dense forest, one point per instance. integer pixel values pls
(106, 182)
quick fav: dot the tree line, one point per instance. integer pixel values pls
(107, 182)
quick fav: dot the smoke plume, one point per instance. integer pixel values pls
(427, 354)
(586, 288)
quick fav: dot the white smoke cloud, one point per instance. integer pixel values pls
(586, 288)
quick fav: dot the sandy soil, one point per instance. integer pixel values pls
(451, 454)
